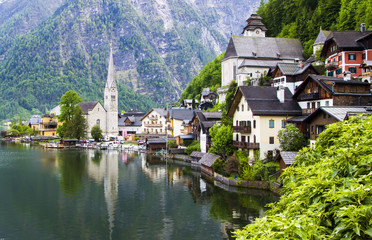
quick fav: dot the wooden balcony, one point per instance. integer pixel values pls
(331, 66)
(242, 129)
(153, 118)
(367, 74)
(246, 145)
(153, 125)
(309, 96)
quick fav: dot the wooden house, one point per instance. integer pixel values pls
(206, 163)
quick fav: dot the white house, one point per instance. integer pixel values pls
(258, 114)
(155, 122)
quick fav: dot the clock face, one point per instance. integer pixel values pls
(258, 31)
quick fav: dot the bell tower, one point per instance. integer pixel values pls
(255, 27)
(111, 100)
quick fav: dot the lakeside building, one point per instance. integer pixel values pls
(349, 51)
(258, 114)
(253, 55)
(130, 124)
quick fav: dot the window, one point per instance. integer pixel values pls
(327, 103)
(237, 109)
(324, 115)
(237, 137)
(339, 71)
(112, 97)
(283, 123)
(243, 138)
(352, 69)
(330, 74)
(248, 123)
(98, 122)
(319, 129)
(254, 123)
(237, 123)
(318, 104)
(242, 107)
(312, 129)
(271, 123)
(313, 105)
(340, 58)
(308, 105)
(352, 56)
(271, 140)
(364, 56)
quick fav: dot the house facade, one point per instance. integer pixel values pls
(155, 122)
(291, 75)
(201, 123)
(180, 122)
(323, 116)
(48, 125)
(130, 124)
(318, 91)
(346, 51)
(258, 114)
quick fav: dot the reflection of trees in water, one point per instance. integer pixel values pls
(236, 210)
(97, 157)
(72, 166)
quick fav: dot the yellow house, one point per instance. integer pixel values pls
(48, 125)
(258, 114)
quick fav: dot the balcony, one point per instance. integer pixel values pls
(367, 74)
(331, 66)
(153, 118)
(242, 129)
(309, 96)
(246, 145)
(153, 125)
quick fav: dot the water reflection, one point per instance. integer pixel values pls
(121, 195)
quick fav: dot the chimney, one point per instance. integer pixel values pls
(347, 76)
(362, 27)
(280, 94)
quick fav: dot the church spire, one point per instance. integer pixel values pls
(111, 71)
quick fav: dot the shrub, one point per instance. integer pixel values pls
(327, 191)
(172, 144)
(194, 147)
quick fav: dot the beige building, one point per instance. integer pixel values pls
(259, 113)
(95, 114)
(155, 122)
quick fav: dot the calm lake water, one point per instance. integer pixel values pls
(88, 194)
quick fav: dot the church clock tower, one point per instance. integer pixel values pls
(111, 100)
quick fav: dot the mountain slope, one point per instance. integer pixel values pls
(159, 46)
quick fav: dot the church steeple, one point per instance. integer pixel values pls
(111, 99)
(111, 72)
(255, 27)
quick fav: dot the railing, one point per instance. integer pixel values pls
(309, 96)
(153, 125)
(331, 65)
(367, 74)
(246, 145)
(153, 118)
(242, 129)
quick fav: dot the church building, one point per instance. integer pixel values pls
(106, 116)
(253, 55)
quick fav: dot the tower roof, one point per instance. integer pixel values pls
(111, 71)
(254, 22)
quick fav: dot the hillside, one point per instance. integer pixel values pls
(159, 46)
(303, 19)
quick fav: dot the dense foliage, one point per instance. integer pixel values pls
(209, 77)
(291, 139)
(327, 191)
(303, 18)
(96, 133)
(74, 123)
(193, 147)
(222, 140)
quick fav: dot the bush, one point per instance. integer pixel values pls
(172, 144)
(194, 147)
(327, 191)
(219, 166)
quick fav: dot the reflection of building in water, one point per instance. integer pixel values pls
(157, 170)
(103, 165)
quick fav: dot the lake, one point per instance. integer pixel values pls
(92, 194)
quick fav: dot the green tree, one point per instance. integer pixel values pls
(193, 147)
(96, 133)
(69, 103)
(233, 86)
(74, 123)
(327, 191)
(222, 140)
(291, 139)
